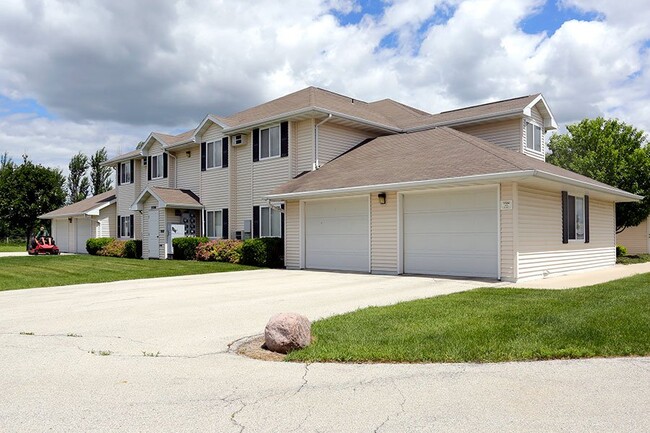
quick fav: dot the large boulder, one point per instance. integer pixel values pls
(286, 332)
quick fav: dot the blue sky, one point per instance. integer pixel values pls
(98, 74)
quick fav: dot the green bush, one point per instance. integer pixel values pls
(93, 245)
(114, 248)
(133, 249)
(185, 248)
(267, 252)
(621, 251)
(222, 250)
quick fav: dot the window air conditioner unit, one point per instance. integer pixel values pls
(239, 140)
(239, 235)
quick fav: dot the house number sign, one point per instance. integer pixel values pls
(506, 204)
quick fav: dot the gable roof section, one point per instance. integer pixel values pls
(425, 159)
(89, 206)
(168, 198)
(123, 157)
(509, 107)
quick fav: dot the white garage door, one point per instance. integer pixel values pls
(336, 234)
(61, 235)
(451, 233)
(84, 232)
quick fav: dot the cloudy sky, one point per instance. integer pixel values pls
(76, 75)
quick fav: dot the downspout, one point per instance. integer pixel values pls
(316, 165)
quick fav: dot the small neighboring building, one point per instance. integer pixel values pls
(635, 239)
(73, 225)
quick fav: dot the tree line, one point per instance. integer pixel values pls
(28, 190)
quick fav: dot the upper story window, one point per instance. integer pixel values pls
(156, 167)
(125, 172)
(213, 154)
(533, 137)
(270, 142)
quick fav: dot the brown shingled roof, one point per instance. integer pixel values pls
(82, 207)
(176, 196)
(434, 154)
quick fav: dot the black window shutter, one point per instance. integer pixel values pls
(131, 226)
(256, 145)
(148, 168)
(203, 157)
(132, 171)
(586, 219)
(225, 232)
(256, 221)
(565, 217)
(224, 152)
(119, 226)
(119, 173)
(284, 139)
(282, 221)
(165, 164)
(572, 217)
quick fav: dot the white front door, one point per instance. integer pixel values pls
(452, 232)
(154, 233)
(336, 234)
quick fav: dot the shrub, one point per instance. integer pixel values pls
(222, 250)
(268, 252)
(93, 245)
(133, 249)
(621, 251)
(114, 249)
(185, 248)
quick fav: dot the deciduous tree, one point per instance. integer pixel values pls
(100, 177)
(78, 184)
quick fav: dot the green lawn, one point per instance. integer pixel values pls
(12, 247)
(43, 271)
(633, 259)
(493, 324)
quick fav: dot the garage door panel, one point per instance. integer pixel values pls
(336, 234)
(451, 233)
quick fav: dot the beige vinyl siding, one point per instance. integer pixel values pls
(302, 146)
(188, 169)
(156, 149)
(292, 235)
(383, 234)
(539, 121)
(508, 220)
(541, 251)
(333, 140)
(108, 224)
(506, 133)
(214, 182)
(635, 239)
(242, 187)
(267, 175)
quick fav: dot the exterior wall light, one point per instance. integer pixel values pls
(382, 197)
(188, 153)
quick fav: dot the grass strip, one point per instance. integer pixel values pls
(46, 271)
(493, 325)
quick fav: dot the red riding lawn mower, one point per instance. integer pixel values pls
(34, 247)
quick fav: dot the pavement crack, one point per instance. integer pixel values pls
(401, 410)
(304, 379)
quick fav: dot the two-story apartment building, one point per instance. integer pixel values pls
(373, 187)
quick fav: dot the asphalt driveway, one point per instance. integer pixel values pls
(91, 365)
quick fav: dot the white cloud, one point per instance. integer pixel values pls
(110, 70)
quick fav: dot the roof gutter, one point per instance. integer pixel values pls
(582, 184)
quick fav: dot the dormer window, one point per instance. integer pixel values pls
(534, 137)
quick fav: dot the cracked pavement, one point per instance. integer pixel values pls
(51, 380)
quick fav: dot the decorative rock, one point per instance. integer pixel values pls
(286, 332)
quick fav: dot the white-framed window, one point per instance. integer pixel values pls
(270, 142)
(125, 172)
(214, 223)
(157, 166)
(576, 218)
(125, 226)
(270, 222)
(213, 154)
(533, 137)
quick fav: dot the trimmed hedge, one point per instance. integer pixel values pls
(133, 249)
(221, 250)
(114, 248)
(266, 252)
(94, 245)
(185, 248)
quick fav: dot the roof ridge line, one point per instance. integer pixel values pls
(488, 103)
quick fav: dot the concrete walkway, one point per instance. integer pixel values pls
(153, 355)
